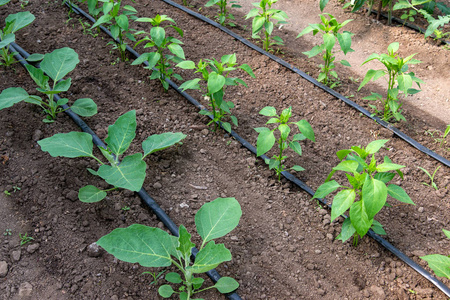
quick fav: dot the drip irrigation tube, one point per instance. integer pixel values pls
(302, 185)
(145, 197)
(362, 110)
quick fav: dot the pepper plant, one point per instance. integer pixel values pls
(128, 174)
(399, 81)
(118, 23)
(440, 264)
(153, 247)
(158, 59)
(329, 29)
(55, 66)
(13, 22)
(367, 191)
(262, 15)
(266, 138)
(223, 14)
(215, 77)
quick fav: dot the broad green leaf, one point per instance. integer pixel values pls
(84, 107)
(122, 21)
(152, 59)
(284, 131)
(158, 35)
(378, 228)
(329, 40)
(447, 233)
(165, 291)
(215, 82)
(257, 24)
(347, 230)
(173, 277)
(374, 195)
(384, 167)
(226, 285)
(345, 41)
(210, 257)
(306, 129)
(398, 193)
(91, 194)
(59, 63)
(440, 264)
(322, 4)
(38, 76)
(62, 86)
(177, 50)
(184, 243)
(72, 144)
(404, 82)
(297, 168)
(158, 142)
(130, 174)
(265, 141)
(371, 75)
(122, 133)
(62, 101)
(345, 63)
(20, 19)
(3, 2)
(268, 111)
(11, 96)
(247, 69)
(148, 246)
(217, 218)
(296, 147)
(314, 51)
(374, 146)
(7, 39)
(341, 154)
(341, 202)
(326, 188)
(359, 218)
(393, 47)
(347, 166)
(187, 65)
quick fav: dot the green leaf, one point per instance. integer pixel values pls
(314, 51)
(226, 285)
(384, 167)
(306, 129)
(158, 35)
(345, 63)
(329, 40)
(165, 291)
(322, 4)
(184, 243)
(398, 193)
(440, 264)
(20, 19)
(122, 21)
(347, 230)
(341, 202)
(210, 257)
(378, 228)
(347, 166)
(59, 63)
(62, 86)
(72, 144)
(177, 50)
(217, 218)
(384, 177)
(247, 69)
(284, 130)
(35, 57)
(265, 141)
(151, 58)
(173, 277)
(326, 188)
(122, 133)
(374, 195)
(130, 174)
(374, 146)
(215, 82)
(7, 39)
(38, 76)
(91, 194)
(296, 147)
(148, 246)
(84, 107)
(371, 74)
(11, 96)
(359, 218)
(297, 168)
(268, 111)
(345, 41)
(62, 101)
(190, 84)
(187, 65)
(158, 142)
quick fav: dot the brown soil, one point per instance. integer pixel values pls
(284, 247)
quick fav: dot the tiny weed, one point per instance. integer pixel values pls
(433, 184)
(126, 208)
(7, 232)
(7, 193)
(24, 239)
(155, 276)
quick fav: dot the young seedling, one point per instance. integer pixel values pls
(153, 247)
(266, 138)
(128, 174)
(24, 239)
(329, 29)
(56, 65)
(399, 81)
(262, 15)
(161, 62)
(368, 190)
(440, 264)
(223, 14)
(118, 23)
(213, 85)
(432, 184)
(14, 23)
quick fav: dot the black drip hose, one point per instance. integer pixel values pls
(297, 181)
(359, 108)
(145, 197)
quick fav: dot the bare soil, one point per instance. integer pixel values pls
(284, 247)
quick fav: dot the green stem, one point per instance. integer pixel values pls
(281, 142)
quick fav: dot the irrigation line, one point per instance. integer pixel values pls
(362, 110)
(415, 266)
(145, 197)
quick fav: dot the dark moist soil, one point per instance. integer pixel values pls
(284, 247)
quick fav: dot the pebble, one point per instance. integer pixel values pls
(378, 292)
(37, 135)
(25, 289)
(418, 253)
(94, 250)
(205, 131)
(157, 185)
(72, 196)
(420, 209)
(32, 248)
(3, 268)
(15, 255)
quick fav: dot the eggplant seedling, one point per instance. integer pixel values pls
(152, 247)
(56, 65)
(215, 80)
(14, 23)
(368, 182)
(266, 138)
(440, 264)
(399, 81)
(158, 59)
(129, 173)
(329, 29)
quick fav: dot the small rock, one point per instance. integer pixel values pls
(205, 131)
(157, 185)
(202, 151)
(310, 266)
(37, 135)
(72, 196)
(318, 251)
(25, 289)
(32, 248)
(3, 268)
(94, 250)
(322, 212)
(378, 292)
(15, 255)
(329, 236)
(420, 209)
(418, 253)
